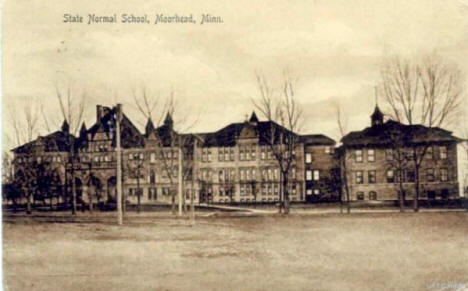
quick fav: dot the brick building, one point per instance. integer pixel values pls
(374, 169)
(231, 165)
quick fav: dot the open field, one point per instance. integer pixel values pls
(380, 251)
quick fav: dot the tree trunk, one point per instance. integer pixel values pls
(402, 198)
(72, 154)
(28, 204)
(173, 207)
(192, 205)
(138, 193)
(280, 200)
(90, 198)
(285, 195)
(416, 194)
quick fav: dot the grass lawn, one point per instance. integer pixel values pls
(384, 251)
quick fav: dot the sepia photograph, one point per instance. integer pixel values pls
(234, 145)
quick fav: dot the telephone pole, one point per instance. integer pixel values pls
(118, 119)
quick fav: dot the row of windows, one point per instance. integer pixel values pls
(390, 154)
(246, 153)
(313, 191)
(313, 175)
(152, 193)
(371, 196)
(245, 174)
(39, 159)
(393, 176)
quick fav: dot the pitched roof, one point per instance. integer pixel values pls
(58, 141)
(227, 136)
(130, 135)
(381, 134)
(253, 117)
(317, 139)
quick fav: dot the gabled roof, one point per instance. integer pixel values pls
(130, 135)
(381, 134)
(58, 141)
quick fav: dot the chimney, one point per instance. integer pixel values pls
(99, 112)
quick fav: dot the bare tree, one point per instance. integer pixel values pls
(24, 122)
(72, 110)
(399, 160)
(342, 158)
(135, 168)
(175, 150)
(24, 125)
(284, 115)
(427, 92)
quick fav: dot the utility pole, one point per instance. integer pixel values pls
(118, 118)
(180, 176)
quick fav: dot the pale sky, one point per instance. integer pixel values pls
(334, 48)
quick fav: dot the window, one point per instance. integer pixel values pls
(360, 195)
(309, 192)
(389, 154)
(390, 176)
(241, 153)
(327, 150)
(231, 153)
(309, 175)
(221, 175)
(152, 177)
(372, 177)
(221, 154)
(308, 158)
(431, 194)
(400, 176)
(270, 174)
(254, 152)
(372, 195)
(359, 179)
(316, 175)
(209, 154)
(443, 175)
(242, 189)
(430, 175)
(242, 174)
(370, 155)
(247, 153)
(316, 192)
(358, 156)
(263, 153)
(152, 194)
(430, 153)
(204, 154)
(443, 152)
(410, 176)
(276, 174)
(444, 194)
